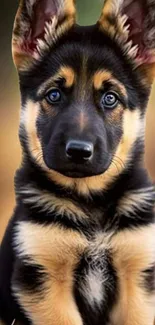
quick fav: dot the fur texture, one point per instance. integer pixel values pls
(79, 248)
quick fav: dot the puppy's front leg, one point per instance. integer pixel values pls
(44, 273)
(50, 300)
(134, 259)
(140, 310)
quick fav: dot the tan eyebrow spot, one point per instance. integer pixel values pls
(65, 73)
(68, 74)
(102, 76)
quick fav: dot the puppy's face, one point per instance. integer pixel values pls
(83, 97)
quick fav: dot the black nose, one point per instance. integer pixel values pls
(79, 150)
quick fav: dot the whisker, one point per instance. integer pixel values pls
(114, 163)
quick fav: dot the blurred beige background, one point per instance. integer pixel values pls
(10, 105)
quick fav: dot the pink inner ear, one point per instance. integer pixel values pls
(43, 11)
(136, 10)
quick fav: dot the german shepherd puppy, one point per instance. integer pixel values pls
(80, 247)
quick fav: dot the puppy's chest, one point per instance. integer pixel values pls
(69, 257)
(91, 268)
(96, 277)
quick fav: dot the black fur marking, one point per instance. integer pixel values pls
(9, 308)
(93, 314)
(103, 205)
(149, 280)
(29, 277)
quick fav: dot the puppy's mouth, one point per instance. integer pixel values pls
(79, 174)
(81, 171)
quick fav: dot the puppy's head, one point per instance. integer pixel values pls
(84, 89)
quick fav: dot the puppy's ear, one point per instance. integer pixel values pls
(132, 24)
(38, 25)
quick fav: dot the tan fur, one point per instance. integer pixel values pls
(115, 115)
(132, 127)
(83, 120)
(29, 119)
(83, 80)
(148, 71)
(70, 8)
(133, 252)
(68, 74)
(136, 199)
(21, 61)
(64, 72)
(51, 203)
(112, 8)
(59, 251)
(102, 76)
(48, 108)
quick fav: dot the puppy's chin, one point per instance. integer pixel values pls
(77, 172)
(80, 174)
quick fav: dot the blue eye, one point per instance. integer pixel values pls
(109, 100)
(53, 96)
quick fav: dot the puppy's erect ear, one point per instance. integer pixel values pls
(132, 24)
(38, 25)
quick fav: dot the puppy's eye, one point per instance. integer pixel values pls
(53, 96)
(109, 100)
